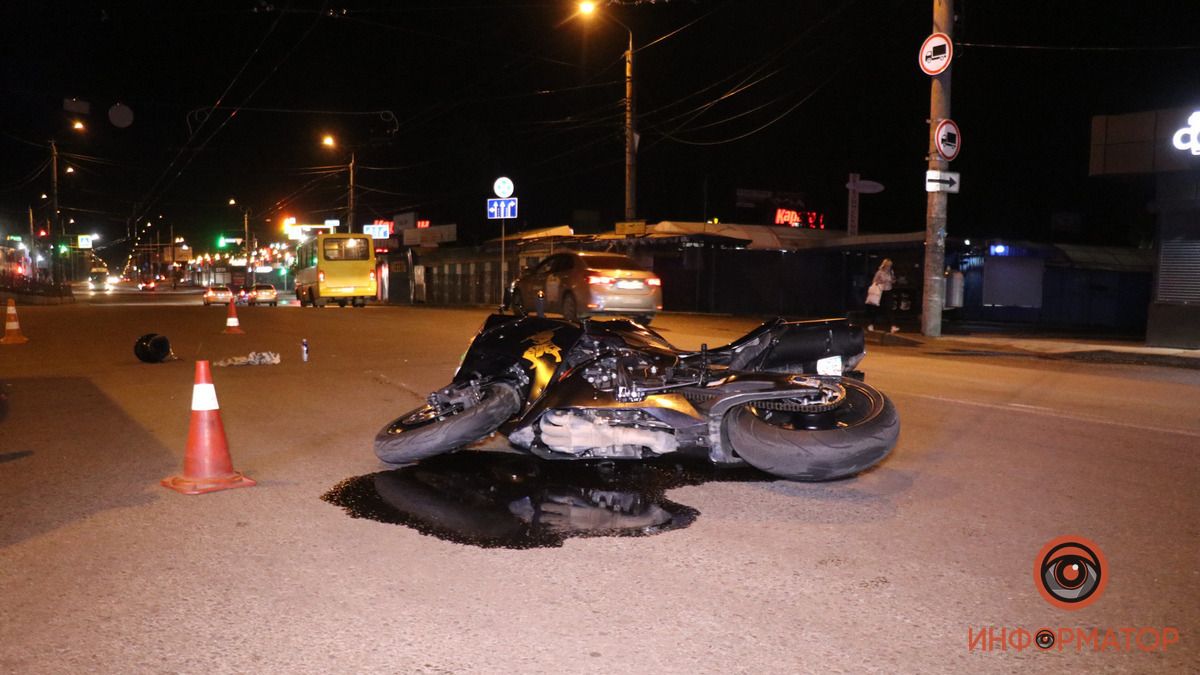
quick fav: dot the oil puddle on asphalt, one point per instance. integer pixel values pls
(500, 500)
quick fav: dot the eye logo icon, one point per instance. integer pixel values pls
(1071, 572)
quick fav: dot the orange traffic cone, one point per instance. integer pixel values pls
(231, 322)
(12, 327)
(206, 463)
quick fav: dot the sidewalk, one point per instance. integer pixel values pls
(1095, 350)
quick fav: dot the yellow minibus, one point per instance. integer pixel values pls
(336, 267)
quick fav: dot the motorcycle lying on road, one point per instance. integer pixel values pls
(786, 398)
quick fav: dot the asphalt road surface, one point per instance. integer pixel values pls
(896, 570)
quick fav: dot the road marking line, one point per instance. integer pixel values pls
(1050, 412)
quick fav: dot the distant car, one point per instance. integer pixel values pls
(579, 284)
(217, 295)
(263, 294)
(147, 285)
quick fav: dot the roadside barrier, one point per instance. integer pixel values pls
(12, 327)
(207, 466)
(231, 322)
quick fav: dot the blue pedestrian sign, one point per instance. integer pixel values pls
(502, 208)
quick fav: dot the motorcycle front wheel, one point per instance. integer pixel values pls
(423, 433)
(855, 435)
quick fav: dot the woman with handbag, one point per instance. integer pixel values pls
(879, 296)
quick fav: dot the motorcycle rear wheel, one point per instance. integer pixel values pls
(856, 435)
(421, 433)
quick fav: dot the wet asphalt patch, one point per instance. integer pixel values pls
(502, 500)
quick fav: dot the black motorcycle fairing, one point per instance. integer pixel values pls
(632, 334)
(534, 345)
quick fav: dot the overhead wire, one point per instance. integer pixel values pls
(152, 194)
(147, 199)
(1065, 48)
(837, 11)
(767, 124)
(672, 136)
(28, 179)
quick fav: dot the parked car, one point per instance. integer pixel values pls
(577, 284)
(263, 294)
(217, 295)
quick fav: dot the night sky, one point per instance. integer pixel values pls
(438, 98)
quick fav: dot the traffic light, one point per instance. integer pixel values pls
(42, 232)
(221, 242)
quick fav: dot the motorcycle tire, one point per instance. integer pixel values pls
(418, 434)
(866, 430)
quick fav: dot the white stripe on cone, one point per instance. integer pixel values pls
(204, 397)
(231, 321)
(11, 325)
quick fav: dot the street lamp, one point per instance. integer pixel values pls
(588, 9)
(245, 228)
(329, 142)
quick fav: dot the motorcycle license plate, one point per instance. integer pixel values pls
(830, 365)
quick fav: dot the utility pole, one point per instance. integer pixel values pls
(54, 186)
(350, 199)
(55, 221)
(630, 137)
(935, 209)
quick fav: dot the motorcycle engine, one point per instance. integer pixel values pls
(629, 375)
(610, 433)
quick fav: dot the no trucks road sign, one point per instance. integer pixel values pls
(936, 53)
(947, 139)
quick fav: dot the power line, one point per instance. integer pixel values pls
(1057, 48)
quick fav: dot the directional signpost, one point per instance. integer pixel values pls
(502, 209)
(858, 186)
(941, 181)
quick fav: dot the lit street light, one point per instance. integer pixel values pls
(588, 9)
(328, 141)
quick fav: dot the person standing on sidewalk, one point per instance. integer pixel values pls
(881, 293)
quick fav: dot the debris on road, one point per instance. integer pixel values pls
(251, 359)
(153, 348)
